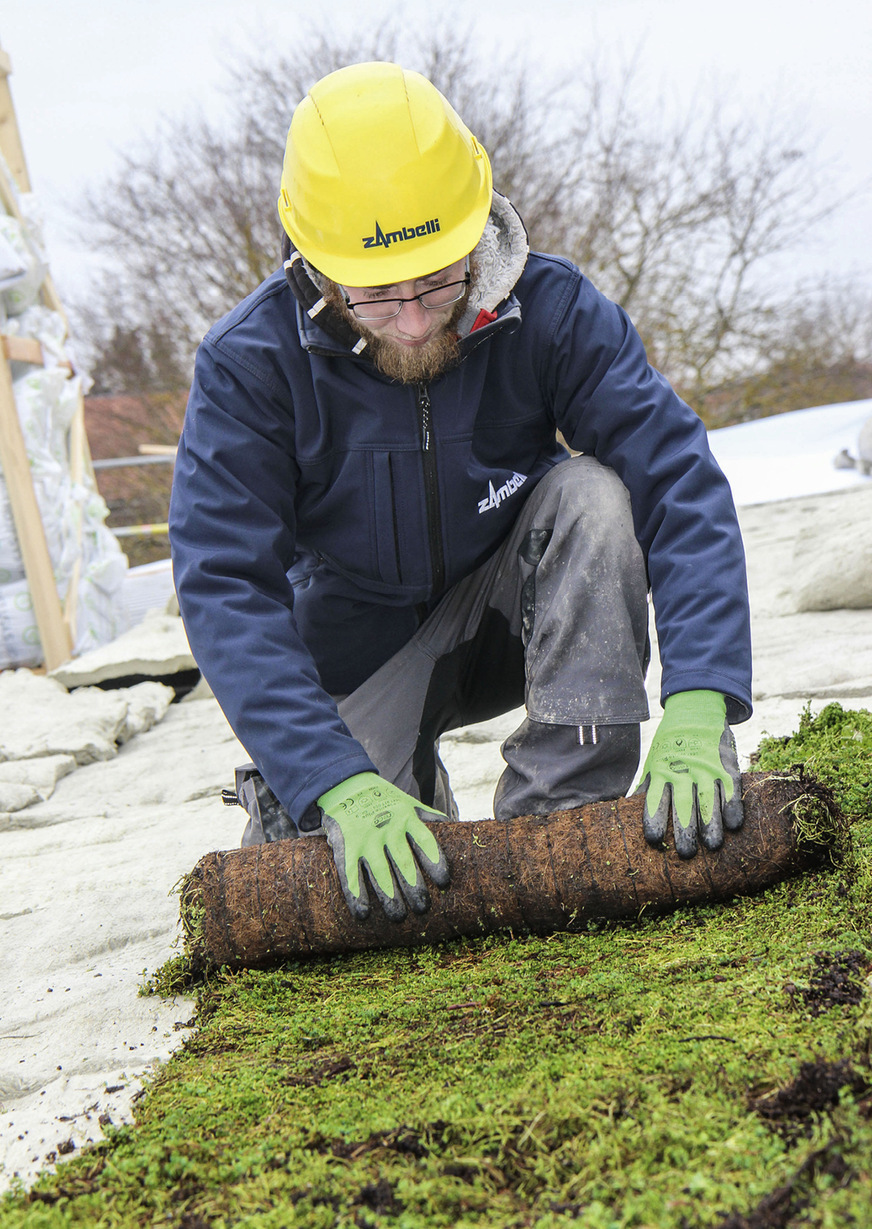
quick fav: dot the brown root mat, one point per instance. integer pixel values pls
(248, 907)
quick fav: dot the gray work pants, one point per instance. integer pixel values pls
(556, 619)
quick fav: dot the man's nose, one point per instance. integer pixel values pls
(413, 320)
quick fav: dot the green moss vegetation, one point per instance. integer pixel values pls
(706, 1069)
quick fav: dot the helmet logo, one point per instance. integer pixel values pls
(384, 239)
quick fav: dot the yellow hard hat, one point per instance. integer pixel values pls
(382, 181)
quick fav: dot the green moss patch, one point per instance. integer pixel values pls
(836, 748)
(709, 1069)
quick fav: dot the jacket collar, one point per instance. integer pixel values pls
(499, 257)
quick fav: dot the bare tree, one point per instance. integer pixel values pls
(678, 219)
(818, 352)
(189, 220)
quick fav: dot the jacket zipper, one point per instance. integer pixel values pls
(431, 492)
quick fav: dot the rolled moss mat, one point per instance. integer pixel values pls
(534, 875)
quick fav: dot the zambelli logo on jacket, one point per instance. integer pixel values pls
(496, 495)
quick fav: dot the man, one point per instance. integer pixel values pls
(377, 536)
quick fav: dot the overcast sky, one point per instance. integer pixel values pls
(90, 76)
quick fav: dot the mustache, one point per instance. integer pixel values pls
(406, 365)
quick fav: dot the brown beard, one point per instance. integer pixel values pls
(406, 364)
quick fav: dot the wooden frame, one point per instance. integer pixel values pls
(56, 624)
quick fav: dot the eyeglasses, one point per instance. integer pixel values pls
(386, 309)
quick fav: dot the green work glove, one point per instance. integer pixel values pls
(692, 774)
(370, 822)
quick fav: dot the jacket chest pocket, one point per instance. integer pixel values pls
(386, 526)
(364, 510)
(399, 518)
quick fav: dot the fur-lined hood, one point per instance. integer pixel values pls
(499, 258)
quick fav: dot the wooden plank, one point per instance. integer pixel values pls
(56, 625)
(27, 350)
(158, 450)
(158, 530)
(22, 350)
(54, 634)
(81, 433)
(80, 465)
(10, 138)
(9, 201)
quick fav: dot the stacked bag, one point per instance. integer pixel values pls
(85, 555)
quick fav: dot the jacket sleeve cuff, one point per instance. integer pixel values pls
(326, 778)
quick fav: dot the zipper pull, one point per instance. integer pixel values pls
(424, 407)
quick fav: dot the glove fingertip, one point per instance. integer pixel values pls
(395, 909)
(358, 905)
(686, 842)
(654, 830)
(437, 869)
(415, 891)
(734, 813)
(655, 838)
(686, 846)
(418, 900)
(656, 822)
(440, 871)
(712, 835)
(393, 906)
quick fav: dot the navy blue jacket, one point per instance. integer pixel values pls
(319, 510)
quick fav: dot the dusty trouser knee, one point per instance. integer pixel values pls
(583, 600)
(557, 618)
(584, 628)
